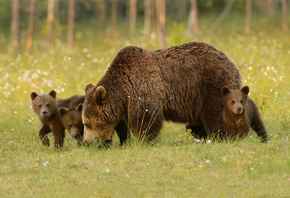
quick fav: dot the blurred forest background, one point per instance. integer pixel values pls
(23, 21)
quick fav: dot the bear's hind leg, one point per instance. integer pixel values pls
(256, 122)
(58, 134)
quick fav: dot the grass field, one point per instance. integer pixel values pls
(176, 165)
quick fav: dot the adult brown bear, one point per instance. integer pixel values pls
(144, 87)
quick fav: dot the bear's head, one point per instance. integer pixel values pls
(44, 105)
(235, 100)
(100, 115)
(72, 121)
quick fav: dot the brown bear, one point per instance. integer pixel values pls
(144, 87)
(71, 119)
(240, 113)
(121, 129)
(46, 107)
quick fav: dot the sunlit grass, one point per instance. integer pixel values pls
(176, 165)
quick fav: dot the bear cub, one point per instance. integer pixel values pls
(46, 108)
(72, 121)
(240, 113)
(56, 115)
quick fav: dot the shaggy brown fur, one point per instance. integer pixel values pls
(240, 113)
(71, 118)
(121, 129)
(145, 87)
(46, 107)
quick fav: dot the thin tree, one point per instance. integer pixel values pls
(15, 25)
(132, 16)
(50, 16)
(147, 21)
(284, 16)
(30, 27)
(160, 13)
(149, 17)
(102, 19)
(248, 16)
(223, 15)
(114, 19)
(193, 24)
(71, 14)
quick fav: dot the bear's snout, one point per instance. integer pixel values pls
(44, 113)
(239, 109)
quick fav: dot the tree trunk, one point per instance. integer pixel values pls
(50, 16)
(223, 15)
(114, 19)
(132, 16)
(147, 16)
(193, 19)
(30, 27)
(271, 8)
(71, 14)
(160, 12)
(15, 25)
(102, 20)
(284, 16)
(248, 16)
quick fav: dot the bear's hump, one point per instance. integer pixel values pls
(127, 54)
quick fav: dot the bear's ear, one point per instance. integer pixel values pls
(79, 108)
(100, 95)
(62, 111)
(245, 90)
(88, 88)
(225, 91)
(33, 95)
(52, 93)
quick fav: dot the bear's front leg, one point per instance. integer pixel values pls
(197, 131)
(45, 129)
(214, 125)
(122, 131)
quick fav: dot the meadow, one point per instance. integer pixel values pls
(177, 165)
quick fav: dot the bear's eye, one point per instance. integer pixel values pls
(87, 125)
(69, 126)
(39, 106)
(47, 105)
(80, 125)
(233, 102)
(241, 101)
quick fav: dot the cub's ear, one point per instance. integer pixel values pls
(100, 95)
(88, 88)
(225, 91)
(79, 108)
(62, 111)
(52, 93)
(33, 95)
(245, 90)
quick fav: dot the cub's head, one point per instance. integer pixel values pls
(100, 115)
(44, 105)
(235, 100)
(72, 121)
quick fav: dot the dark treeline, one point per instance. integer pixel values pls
(45, 17)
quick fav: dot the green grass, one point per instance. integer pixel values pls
(176, 165)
